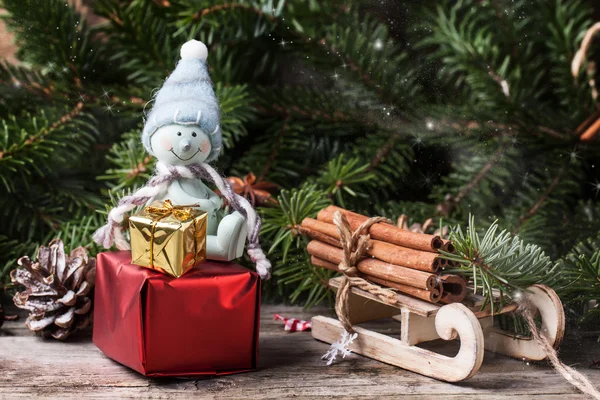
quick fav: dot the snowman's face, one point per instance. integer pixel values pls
(180, 145)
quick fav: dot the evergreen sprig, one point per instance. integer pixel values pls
(280, 224)
(500, 265)
(580, 272)
(33, 146)
(343, 177)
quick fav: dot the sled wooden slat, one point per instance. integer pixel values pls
(416, 306)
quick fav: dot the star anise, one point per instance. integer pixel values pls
(258, 193)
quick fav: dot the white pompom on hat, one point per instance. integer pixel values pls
(194, 49)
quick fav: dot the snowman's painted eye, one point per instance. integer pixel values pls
(178, 133)
(194, 134)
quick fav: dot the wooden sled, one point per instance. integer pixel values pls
(422, 322)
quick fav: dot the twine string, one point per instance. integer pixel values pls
(354, 245)
(572, 376)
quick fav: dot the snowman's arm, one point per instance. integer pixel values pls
(206, 205)
(215, 199)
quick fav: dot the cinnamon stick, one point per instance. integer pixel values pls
(319, 262)
(432, 296)
(403, 256)
(448, 246)
(375, 268)
(386, 232)
(316, 235)
(454, 289)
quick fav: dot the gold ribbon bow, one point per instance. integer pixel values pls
(181, 213)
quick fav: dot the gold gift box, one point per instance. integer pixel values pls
(170, 239)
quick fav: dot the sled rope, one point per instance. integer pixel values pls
(354, 245)
(572, 376)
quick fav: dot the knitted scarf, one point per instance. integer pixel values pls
(111, 233)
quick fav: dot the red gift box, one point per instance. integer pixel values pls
(202, 323)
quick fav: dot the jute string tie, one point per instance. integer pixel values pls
(572, 376)
(354, 245)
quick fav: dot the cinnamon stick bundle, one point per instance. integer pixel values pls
(386, 232)
(375, 268)
(433, 296)
(398, 255)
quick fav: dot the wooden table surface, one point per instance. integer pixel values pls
(289, 366)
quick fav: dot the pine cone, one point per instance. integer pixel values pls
(58, 290)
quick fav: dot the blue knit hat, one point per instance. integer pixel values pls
(187, 98)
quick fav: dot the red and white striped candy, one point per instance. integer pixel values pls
(293, 324)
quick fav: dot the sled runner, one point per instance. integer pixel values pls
(420, 322)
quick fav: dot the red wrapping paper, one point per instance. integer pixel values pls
(203, 323)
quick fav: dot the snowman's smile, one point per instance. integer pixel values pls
(185, 159)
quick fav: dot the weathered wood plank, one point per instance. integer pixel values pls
(289, 366)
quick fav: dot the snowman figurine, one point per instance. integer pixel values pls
(177, 144)
(182, 131)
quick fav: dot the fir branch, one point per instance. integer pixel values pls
(579, 280)
(236, 112)
(494, 129)
(565, 23)
(15, 78)
(280, 229)
(365, 76)
(275, 151)
(231, 6)
(541, 204)
(383, 151)
(41, 136)
(300, 103)
(78, 233)
(543, 197)
(231, 23)
(37, 146)
(130, 165)
(499, 262)
(389, 161)
(446, 207)
(367, 52)
(280, 224)
(297, 112)
(315, 132)
(344, 175)
(141, 168)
